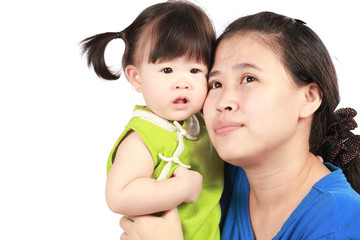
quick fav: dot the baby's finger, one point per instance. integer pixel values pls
(125, 223)
(124, 236)
(171, 214)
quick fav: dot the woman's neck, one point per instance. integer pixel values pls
(276, 191)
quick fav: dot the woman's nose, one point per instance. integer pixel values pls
(227, 103)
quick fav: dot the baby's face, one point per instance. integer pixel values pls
(173, 89)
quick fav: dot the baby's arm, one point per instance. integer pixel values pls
(131, 191)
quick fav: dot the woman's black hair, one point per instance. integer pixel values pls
(306, 58)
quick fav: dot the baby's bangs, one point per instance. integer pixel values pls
(170, 47)
(178, 35)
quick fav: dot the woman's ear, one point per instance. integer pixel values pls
(132, 74)
(311, 101)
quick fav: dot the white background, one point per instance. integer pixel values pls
(59, 121)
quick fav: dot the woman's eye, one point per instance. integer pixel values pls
(248, 79)
(167, 70)
(195, 70)
(214, 85)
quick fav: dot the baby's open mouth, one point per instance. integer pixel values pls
(181, 103)
(181, 100)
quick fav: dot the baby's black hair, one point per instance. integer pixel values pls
(173, 29)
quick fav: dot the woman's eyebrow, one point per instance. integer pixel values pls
(240, 66)
(213, 74)
(236, 67)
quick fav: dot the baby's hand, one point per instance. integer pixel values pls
(193, 183)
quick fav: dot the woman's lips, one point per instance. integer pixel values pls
(224, 127)
(180, 103)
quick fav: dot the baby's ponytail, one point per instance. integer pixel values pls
(341, 147)
(94, 48)
(162, 31)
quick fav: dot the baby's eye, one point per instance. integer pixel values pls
(248, 79)
(167, 70)
(195, 70)
(214, 84)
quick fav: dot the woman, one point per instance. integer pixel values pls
(269, 112)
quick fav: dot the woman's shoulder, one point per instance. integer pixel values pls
(336, 186)
(332, 206)
(335, 190)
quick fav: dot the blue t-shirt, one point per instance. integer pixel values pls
(331, 210)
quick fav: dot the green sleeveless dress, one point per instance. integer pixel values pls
(172, 145)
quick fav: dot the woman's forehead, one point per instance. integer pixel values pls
(251, 53)
(249, 46)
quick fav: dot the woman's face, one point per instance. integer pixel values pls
(252, 108)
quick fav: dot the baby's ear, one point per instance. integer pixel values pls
(311, 101)
(132, 74)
